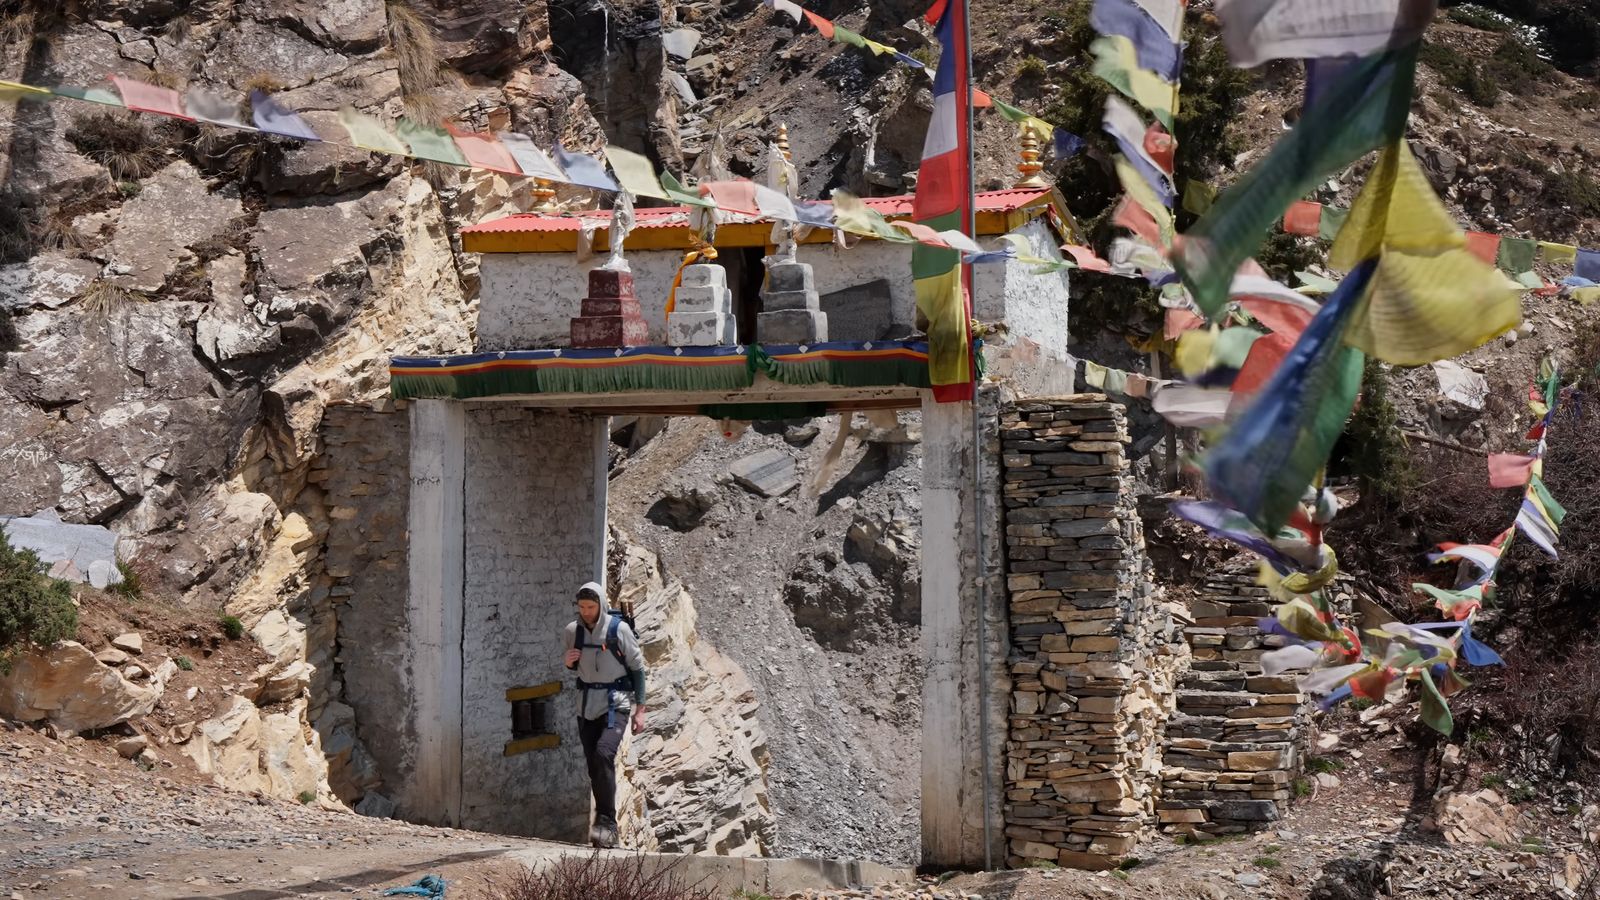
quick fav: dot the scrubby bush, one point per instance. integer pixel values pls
(1575, 190)
(232, 626)
(1516, 67)
(1460, 73)
(596, 877)
(34, 608)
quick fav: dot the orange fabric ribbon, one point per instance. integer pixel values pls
(700, 252)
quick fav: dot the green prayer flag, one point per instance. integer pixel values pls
(843, 35)
(1198, 197)
(103, 96)
(1516, 255)
(430, 142)
(1332, 220)
(1010, 112)
(678, 192)
(1557, 511)
(1435, 712)
(1363, 109)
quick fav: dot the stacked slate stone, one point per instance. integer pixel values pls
(1091, 674)
(790, 310)
(1233, 751)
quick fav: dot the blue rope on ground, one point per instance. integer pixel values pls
(430, 886)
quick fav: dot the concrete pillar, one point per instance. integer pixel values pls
(436, 522)
(966, 679)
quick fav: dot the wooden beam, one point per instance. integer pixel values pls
(549, 688)
(537, 742)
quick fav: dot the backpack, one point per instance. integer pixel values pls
(609, 643)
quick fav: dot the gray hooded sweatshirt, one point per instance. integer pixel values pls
(598, 666)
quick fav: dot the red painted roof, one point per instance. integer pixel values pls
(678, 216)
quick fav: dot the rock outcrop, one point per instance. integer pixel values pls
(696, 781)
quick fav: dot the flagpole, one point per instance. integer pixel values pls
(970, 226)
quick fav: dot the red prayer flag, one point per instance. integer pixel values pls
(1484, 246)
(1181, 320)
(981, 99)
(1510, 469)
(150, 98)
(1161, 146)
(1303, 218)
(1137, 219)
(1266, 354)
(823, 26)
(484, 151)
(735, 196)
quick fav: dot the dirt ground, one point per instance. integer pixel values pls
(76, 820)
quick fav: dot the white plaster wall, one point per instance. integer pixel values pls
(1035, 305)
(527, 300)
(834, 270)
(533, 495)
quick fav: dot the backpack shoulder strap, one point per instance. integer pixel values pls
(612, 643)
(578, 632)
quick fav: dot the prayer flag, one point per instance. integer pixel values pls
(792, 10)
(1188, 406)
(822, 25)
(959, 241)
(529, 158)
(1258, 30)
(1128, 130)
(1587, 265)
(635, 173)
(1094, 374)
(1435, 712)
(1085, 258)
(877, 48)
(775, 204)
(1116, 63)
(1364, 108)
(1423, 308)
(584, 170)
(1066, 144)
(100, 95)
(1304, 217)
(944, 202)
(208, 107)
(1555, 511)
(1266, 355)
(1166, 13)
(1510, 469)
(1154, 46)
(681, 194)
(735, 196)
(483, 151)
(1198, 197)
(1532, 522)
(11, 90)
(151, 98)
(1484, 246)
(274, 119)
(1272, 451)
(1140, 191)
(1333, 219)
(1516, 255)
(1117, 382)
(430, 142)
(1557, 253)
(909, 60)
(1455, 604)
(1395, 210)
(369, 134)
(844, 35)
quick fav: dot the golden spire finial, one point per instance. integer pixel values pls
(544, 195)
(1030, 167)
(783, 141)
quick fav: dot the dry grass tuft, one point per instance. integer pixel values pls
(127, 145)
(266, 82)
(416, 56)
(102, 298)
(595, 877)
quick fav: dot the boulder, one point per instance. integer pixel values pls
(250, 46)
(1483, 817)
(173, 211)
(66, 686)
(85, 546)
(350, 26)
(682, 509)
(129, 747)
(306, 169)
(770, 473)
(131, 642)
(293, 766)
(227, 333)
(111, 656)
(228, 747)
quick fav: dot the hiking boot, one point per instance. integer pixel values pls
(597, 836)
(608, 835)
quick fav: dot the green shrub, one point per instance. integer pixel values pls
(307, 797)
(1031, 67)
(35, 609)
(1459, 73)
(1372, 447)
(1302, 788)
(1584, 99)
(1475, 16)
(1493, 780)
(232, 627)
(1318, 765)
(1573, 189)
(185, 663)
(1267, 862)
(129, 588)
(1516, 67)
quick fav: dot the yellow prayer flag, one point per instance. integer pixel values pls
(877, 48)
(1557, 253)
(1094, 374)
(11, 90)
(635, 173)
(1396, 210)
(1145, 196)
(369, 134)
(1426, 307)
(1586, 295)
(1194, 350)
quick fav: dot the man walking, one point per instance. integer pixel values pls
(604, 652)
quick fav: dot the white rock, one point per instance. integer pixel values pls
(133, 642)
(129, 747)
(111, 656)
(66, 686)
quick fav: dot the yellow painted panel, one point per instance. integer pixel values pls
(539, 742)
(533, 693)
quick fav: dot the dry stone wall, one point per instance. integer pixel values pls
(1094, 657)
